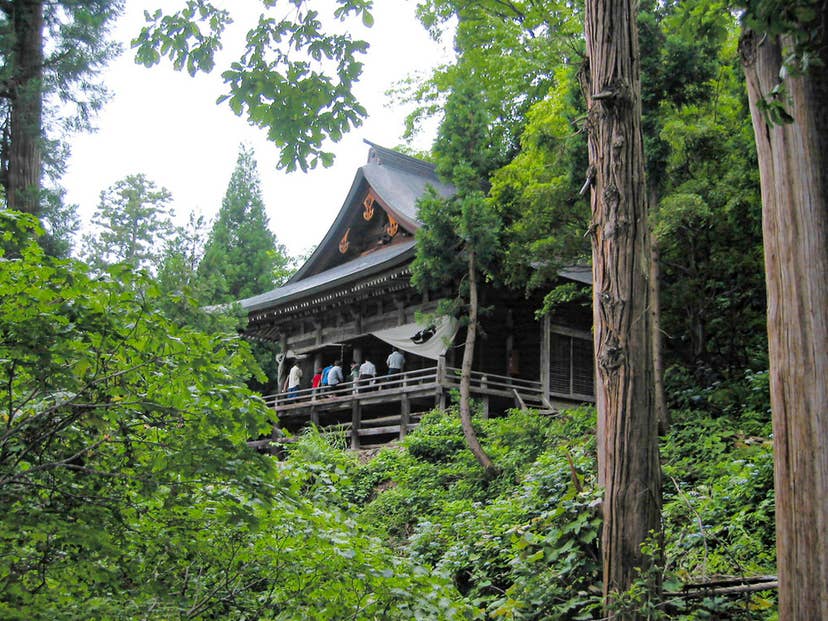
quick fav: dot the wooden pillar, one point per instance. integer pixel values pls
(314, 417)
(356, 422)
(510, 342)
(440, 398)
(405, 415)
(484, 386)
(546, 354)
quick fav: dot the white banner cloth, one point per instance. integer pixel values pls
(429, 342)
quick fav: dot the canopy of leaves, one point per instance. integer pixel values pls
(464, 223)
(510, 48)
(707, 215)
(127, 487)
(294, 79)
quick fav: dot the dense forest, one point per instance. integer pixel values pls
(644, 137)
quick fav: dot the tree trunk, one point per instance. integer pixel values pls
(660, 400)
(793, 168)
(628, 459)
(24, 155)
(465, 376)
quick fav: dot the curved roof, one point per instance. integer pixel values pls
(397, 180)
(366, 265)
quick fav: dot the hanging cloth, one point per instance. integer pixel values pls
(430, 341)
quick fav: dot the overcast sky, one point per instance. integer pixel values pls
(167, 125)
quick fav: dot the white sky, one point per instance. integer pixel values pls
(167, 125)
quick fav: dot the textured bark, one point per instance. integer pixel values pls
(465, 376)
(660, 400)
(628, 460)
(793, 167)
(22, 178)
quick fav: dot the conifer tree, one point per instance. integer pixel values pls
(48, 51)
(242, 256)
(133, 222)
(459, 239)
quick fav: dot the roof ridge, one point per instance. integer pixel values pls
(389, 157)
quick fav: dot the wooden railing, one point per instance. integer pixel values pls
(523, 391)
(497, 385)
(409, 381)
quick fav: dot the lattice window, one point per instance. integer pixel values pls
(571, 365)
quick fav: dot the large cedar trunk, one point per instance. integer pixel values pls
(465, 375)
(793, 167)
(628, 459)
(22, 177)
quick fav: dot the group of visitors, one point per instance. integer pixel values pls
(331, 376)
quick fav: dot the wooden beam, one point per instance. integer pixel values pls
(405, 415)
(546, 353)
(356, 421)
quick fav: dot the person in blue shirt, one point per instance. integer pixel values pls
(325, 373)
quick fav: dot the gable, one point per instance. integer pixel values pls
(365, 225)
(379, 211)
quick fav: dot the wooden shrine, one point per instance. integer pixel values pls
(352, 300)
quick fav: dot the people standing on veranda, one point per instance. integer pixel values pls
(325, 372)
(395, 362)
(294, 380)
(316, 382)
(335, 376)
(353, 376)
(367, 372)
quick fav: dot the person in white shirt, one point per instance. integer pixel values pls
(367, 372)
(395, 362)
(294, 379)
(335, 376)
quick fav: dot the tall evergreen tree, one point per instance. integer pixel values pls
(785, 53)
(133, 221)
(242, 256)
(459, 240)
(49, 53)
(628, 463)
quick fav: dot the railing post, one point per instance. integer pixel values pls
(484, 386)
(405, 415)
(440, 397)
(356, 422)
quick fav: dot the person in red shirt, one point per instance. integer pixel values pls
(317, 378)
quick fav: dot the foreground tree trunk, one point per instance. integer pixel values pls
(628, 460)
(793, 167)
(22, 149)
(465, 376)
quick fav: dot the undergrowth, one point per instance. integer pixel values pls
(525, 545)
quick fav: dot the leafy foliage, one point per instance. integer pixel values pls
(127, 487)
(524, 545)
(707, 221)
(300, 102)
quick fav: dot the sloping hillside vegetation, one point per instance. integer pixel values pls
(524, 546)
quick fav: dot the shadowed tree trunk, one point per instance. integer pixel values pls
(22, 177)
(793, 168)
(628, 460)
(465, 376)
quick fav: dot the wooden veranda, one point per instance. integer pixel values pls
(388, 405)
